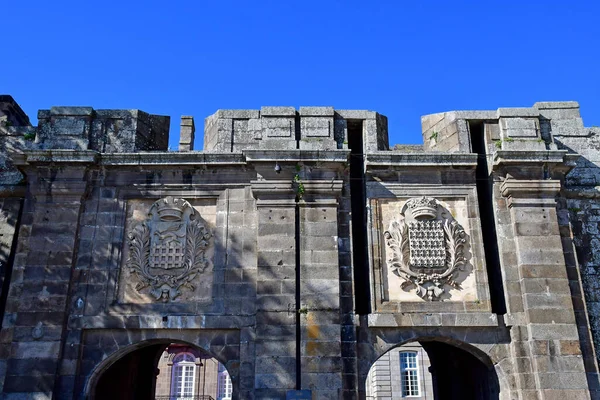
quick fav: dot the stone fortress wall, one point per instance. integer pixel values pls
(296, 248)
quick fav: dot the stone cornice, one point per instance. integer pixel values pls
(270, 187)
(172, 158)
(323, 187)
(177, 158)
(512, 157)
(396, 320)
(54, 156)
(437, 160)
(273, 193)
(294, 156)
(520, 188)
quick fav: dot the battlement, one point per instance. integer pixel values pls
(533, 128)
(285, 128)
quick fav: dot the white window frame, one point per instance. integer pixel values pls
(404, 357)
(224, 385)
(181, 362)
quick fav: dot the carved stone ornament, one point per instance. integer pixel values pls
(426, 247)
(167, 251)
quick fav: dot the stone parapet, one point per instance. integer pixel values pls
(532, 128)
(284, 128)
(112, 131)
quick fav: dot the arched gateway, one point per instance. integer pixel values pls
(297, 250)
(161, 370)
(433, 369)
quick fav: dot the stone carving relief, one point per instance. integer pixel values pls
(167, 251)
(426, 247)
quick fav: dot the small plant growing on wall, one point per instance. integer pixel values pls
(299, 186)
(29, 136)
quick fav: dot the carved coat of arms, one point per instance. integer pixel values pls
(426, 247)
(167, 251)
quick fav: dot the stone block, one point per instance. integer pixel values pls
(569, 347)
(520, 127)
(276, 349)
(562, 380)
(278, 128)
(553, 332)
(319, 127)
(33, 350)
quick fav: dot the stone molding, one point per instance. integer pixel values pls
(520, 157)
(398, 159)
(294, 156)
(54, 156)
(283, 192)
(387, 320)
(530, 189)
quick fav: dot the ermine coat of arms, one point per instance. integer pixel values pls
(426, 247)
(167, 251)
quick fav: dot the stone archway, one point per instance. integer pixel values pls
(131, 374)
(433, 368)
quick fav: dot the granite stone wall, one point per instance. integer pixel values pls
(245, 250)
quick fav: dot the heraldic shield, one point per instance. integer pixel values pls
(167, 251)
(426, 247)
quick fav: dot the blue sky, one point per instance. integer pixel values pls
(401, 58)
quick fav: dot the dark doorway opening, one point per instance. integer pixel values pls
(164, 371)
(132, 377)
(430, 369)
(457, 374)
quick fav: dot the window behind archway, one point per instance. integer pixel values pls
(225, 387)
(184, 376)
(409, 372)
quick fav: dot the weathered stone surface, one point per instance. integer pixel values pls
(276, 301)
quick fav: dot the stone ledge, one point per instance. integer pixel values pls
(530, 188)
(173, 158)
(54, 156)
(157, 322)
(290, 156)
(389, 320)
(398, 159)
(123, 159)
(503, 157)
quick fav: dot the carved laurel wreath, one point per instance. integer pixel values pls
(167, 286)
(429, 286)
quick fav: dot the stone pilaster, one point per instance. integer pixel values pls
(275, 340)
(547, 356)
(320, 327)
(37, 309)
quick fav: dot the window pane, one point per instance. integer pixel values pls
(183, 376)
(409, 374)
